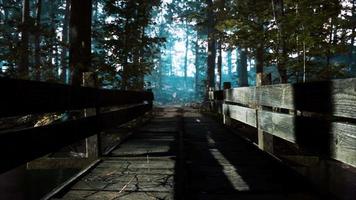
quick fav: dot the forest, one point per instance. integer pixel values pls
(180, 48)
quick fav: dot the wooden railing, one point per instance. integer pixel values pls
(319, 117)
(20, 97)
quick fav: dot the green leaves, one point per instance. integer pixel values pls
(321, 26)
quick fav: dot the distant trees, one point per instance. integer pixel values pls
(129, 48)
(23, 67)
(301, 38)
(39, 40)
(294, 41)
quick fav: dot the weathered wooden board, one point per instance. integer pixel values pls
(20, 146)
(343, 146)
(110, 195)
(277, 124)
(135, 175)
(242, 114)
(344, 98)
(242, 95)
(20, 97)
(337, 97)
(333, 139)
(220, 163)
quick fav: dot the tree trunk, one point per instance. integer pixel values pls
(259, 65)
(124, 75)
(80, 39)
(219, 66)
(64, 53)
(24, 62)
(221, 6)
(38, 40)
(52, 54)
(282, 46)
(170, 57)
(196, 63)
(229, 64)
(242, 68)
(352, 59)
(211, 48)
(186, 55)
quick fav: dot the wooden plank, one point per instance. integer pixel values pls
(20, 146)
(331, 139)
(59, 163)
(70, 182)
(280, 125)
(344, 98)
(20, 97)
(242, 114)
(241, 95)
(280, 96)
(311, 134)
(337, 97)
(343, 143)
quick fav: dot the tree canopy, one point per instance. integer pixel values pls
(179, 48)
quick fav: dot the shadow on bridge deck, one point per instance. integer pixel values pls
(181, 154)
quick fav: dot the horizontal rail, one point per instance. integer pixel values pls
(336, 97)
(19, 146)
(326, 124)
(20, 97)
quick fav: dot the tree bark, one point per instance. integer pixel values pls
(186, 55)
(229, 64)
(64, 53)
(242, 68)
(23, 69)
(282, 46)
(352, 59)
(211, 48)
(219, 66)
(259, 65)
(80, 39)
(38, 40)
(196, 63)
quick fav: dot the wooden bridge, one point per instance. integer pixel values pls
(275, 142)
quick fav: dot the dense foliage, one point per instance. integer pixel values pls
(183, 47)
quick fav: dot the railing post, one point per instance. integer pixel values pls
(92, 144)
(211, 99)
(226, 119)
(265, 140)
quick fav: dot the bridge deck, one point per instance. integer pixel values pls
(182, 154)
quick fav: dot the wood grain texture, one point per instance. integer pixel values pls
(344, 142)
(337, 97)
(242, 114)
(20, 97)
(242, 95)
(280, 125)
(335, 140)
(344, 98)
(35, 142)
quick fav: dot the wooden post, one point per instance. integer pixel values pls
(226, 119)
(92, 143)
(265, 140)
(211, 98)
(227, 85)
